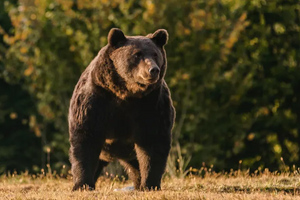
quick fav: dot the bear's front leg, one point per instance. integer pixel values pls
(84, 157)
(152, 159)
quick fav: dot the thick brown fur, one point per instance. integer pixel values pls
(121, 109)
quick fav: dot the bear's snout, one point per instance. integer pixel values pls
(149, 72)
(154, 71)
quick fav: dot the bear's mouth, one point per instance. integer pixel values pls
(150, 80)
(141, 85)
(144, 81)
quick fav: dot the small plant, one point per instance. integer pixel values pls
(177, 163)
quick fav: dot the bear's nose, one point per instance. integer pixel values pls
(154, 71)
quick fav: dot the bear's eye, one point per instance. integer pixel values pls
(138, 55)
(155, 55)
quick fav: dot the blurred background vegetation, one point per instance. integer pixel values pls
(233, 70)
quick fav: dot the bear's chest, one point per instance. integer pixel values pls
(120, 121)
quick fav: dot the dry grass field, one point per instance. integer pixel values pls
(234, 185)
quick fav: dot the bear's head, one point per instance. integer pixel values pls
(139, 61)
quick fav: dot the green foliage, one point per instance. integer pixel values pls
(15, 138)
(233, 72)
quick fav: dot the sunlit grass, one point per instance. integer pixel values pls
(201, 183)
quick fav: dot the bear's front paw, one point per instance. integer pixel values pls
(83, 187)
(150, 188)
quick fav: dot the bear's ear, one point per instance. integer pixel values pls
(160, 37)
(115, 37)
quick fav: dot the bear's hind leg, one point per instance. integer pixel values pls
(133, 171)
(152, 162)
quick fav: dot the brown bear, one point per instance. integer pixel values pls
(121, 108)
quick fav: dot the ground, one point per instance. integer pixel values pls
(235, 185)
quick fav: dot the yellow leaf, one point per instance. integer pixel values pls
(46, 111)
(2, 31)
(150, 8)
(28, 71)
(187, 31)
(13, 115)
(72, 48)
(277, 148)
(69, 31)
(201, 13)
(185, 76)
(251, 136)
(276, 106)
(37, 131)
(32, 121)
(23, 50)
(262, 111)
(243, 16)
(253, 41)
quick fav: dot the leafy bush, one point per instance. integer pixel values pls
(233, 72)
